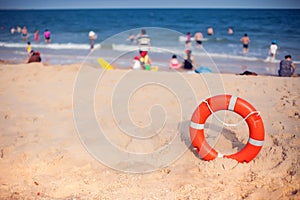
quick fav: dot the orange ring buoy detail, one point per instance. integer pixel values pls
(237, 105)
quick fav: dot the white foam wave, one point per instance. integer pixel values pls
(123, 47)
(49, 46)
(183, 39)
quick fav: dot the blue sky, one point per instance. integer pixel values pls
(54, 4)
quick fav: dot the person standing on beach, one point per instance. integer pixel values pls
(36, 35)
(143, 41)
(92, 37)
(245, 40)
(47, 34)
(273, 50)
(198, 38)
(286, 67)
(28, 47)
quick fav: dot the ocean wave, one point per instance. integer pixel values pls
(49, 46)
(183, 38)
(122, 47)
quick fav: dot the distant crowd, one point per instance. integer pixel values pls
(143, 60)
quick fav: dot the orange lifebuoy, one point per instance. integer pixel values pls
(235, 104)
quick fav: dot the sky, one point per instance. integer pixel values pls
(76, 4)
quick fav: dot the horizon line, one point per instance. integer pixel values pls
(238, 8)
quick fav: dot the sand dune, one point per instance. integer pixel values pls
(42, 156)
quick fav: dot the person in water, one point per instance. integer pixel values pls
(144, 41)
(245, 40)
(286, 67)
(47, 35)
(230, 31)
(36, 36)
(198, 38)
(34, 57)
(24, 33)
(273, 50)
(92, 36)
(210, 31)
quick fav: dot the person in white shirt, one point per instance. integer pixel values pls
(273, 49)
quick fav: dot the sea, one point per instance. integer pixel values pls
(167, 29)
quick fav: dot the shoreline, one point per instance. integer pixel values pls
(243, 68)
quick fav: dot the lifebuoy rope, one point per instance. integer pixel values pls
(230, 107)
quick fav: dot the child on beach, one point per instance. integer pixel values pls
(28, 47)
(174, 64)
(188, 63)
(210, 31)
(145, 60)
(136, 63)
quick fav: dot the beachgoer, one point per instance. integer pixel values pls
(136, 63)
(24, 33)
(47, 35)
(143, 41)
(273, 49)
(198, 38)
(188, 37)
(19, 29)
(145, 60)
(36, 35)
(34, 57)
(12, 30)
(286, 67)
(188, 44)
(230, 31)
(173, 63)
(92, 36)
(131, 38)
(28, 47)
(210, 31)
(245, 40)
(188, 63)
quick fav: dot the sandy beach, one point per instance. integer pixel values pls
(42, 156)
